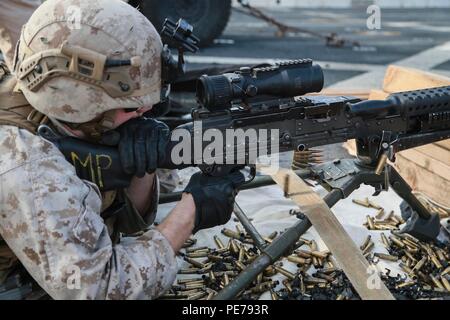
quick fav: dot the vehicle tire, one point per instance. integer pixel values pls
(208, 17)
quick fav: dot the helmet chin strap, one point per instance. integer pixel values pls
(92, 130)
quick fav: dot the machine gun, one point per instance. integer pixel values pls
(272, 98)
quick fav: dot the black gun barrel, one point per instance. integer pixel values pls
(284, 79)
(411, 103)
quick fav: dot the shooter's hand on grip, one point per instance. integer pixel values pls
(213, 197)
(142, 145)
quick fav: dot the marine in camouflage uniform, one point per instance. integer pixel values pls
(89, 77)
(50, 218)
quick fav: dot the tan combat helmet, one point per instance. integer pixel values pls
(78, 59)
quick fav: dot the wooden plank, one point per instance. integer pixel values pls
(432, 165)
(378, 95)
(444, 144)
(399, 79)
(436, 152)
(333, 234)
(424, 181)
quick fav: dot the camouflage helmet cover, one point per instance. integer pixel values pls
(78, 59)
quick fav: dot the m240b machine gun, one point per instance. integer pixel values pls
(273, 97)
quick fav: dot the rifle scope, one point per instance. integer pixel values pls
(282, 80)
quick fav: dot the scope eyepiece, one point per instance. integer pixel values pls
(282, 80)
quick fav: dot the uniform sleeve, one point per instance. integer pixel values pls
(50, 219)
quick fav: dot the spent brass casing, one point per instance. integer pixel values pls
(314, 280)
(195, 263)
(197, 296)
(420, 264)
(410, 256)
(268, 240)
(304, 254)
(270, 271)
(386, 257)
(405, 284)
(324, 276)
(273, 295)
(234, 247)
(366, 242)
(263, 287)
(340, 296)
(385, 240)
(397, 241)
(329, 270)
(212, 276)
(182, 281)
(273, 235)
(190, 250)
(446, 271)
(368, 248)
(189, 271)
(436, 282)
(259, 278)
(285, 273)
(370, 222)
(405, 268)
(226, 279)
(170, 296)
(380, 213)
(218, 242)
(241, 254)
(364, 203)
(374, 205)
(240, 265)
(445, 283)
(287, 285)
(232, 234)
(320, 254)
(381, 164)
(298, 260)
(197, 254)
(435, 261)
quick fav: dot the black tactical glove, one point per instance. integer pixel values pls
(142, 145)
(214, 198)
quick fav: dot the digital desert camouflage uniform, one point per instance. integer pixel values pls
(51, 219)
